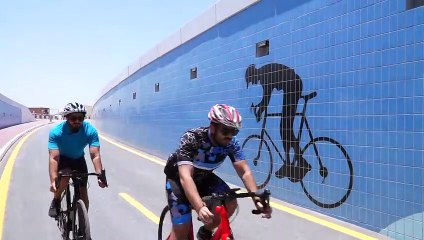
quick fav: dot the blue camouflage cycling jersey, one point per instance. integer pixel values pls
(196, 149)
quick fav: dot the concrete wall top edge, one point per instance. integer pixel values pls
(217, 13)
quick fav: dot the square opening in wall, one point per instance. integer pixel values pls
(156, 87)
(193, 73)
(262, 48)
(410, 4)
(134, 95)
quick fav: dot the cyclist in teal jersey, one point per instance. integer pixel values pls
(67, 141)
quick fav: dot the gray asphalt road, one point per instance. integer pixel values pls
(112, 217)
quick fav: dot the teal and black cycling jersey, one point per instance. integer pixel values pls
(196, 149)
(72, 144)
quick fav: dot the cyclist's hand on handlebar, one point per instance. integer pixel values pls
(266, 211)
(205, 215)
(101, 183)
(101, 179)
(53, 187)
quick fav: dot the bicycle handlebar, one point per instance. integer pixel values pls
(76, 174)
(264, 197)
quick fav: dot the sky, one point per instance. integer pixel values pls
(55, 52)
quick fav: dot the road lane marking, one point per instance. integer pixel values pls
(134, 151)
(5, 179)
(149, 214)
(275, 205)
(322, 222)
(315, 219)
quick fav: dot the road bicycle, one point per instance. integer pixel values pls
(73, 216)
(223, 231)
(328, 194)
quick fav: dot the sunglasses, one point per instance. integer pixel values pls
(74, 118)
(229, 131)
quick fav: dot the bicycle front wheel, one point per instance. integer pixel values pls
(258, 155)
(81, 228)
(62, 223)
(329, 186)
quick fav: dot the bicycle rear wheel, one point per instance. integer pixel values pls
(165, 225)
(81, 227)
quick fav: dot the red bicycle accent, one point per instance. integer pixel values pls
(223, 231)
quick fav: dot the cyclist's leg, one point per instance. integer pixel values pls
(63, 165)
(180, 210)
(297, 171)
(292, 94)
(80, 166)
(214, 184)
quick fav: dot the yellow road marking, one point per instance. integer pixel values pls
(136, 152)
(5, 179)
(317, 220)
(275, 205)
(322, 222)
(149, 214)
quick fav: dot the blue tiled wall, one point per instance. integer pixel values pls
(365, 60)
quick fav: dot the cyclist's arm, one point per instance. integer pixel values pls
(53, 164)
(54, 155)
(94, 148)
(95, 157)
(245, 174)
(242, 168)
(190, 189)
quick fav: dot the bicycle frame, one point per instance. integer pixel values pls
(71, 206)
(300, 151)
(76, 182)
(223, 231)
(299, 135)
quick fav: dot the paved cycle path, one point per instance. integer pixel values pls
(112, 216)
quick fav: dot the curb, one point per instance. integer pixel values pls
(10, 143)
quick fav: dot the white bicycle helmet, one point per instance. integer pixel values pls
(224, 114)
(74, 108)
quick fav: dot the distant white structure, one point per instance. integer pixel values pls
(13, 113)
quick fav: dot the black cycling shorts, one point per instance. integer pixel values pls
(178, 203)
(78, 164)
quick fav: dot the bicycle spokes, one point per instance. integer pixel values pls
(257, 151)
(330, 181)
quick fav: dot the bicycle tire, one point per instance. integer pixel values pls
(81, 222)
(161, 220)
(252, 155)
(340, 201)
(63, 219)
(62, 224)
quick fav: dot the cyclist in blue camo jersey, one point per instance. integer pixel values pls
(67, 141)
(189, 172)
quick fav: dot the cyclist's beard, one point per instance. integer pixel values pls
(74, 127)
(221, 140)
